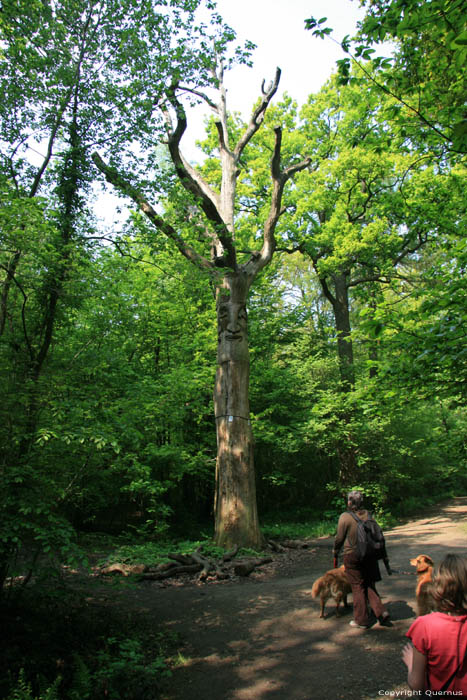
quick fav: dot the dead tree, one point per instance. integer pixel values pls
(206, 568)
(236, 516)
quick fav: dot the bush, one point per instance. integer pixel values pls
(65, 647)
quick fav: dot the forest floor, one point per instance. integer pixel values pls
(261, 638)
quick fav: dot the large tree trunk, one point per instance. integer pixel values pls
(236, 516)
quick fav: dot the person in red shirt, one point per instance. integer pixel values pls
(436, 659)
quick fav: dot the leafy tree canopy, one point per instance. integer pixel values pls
(426, 72)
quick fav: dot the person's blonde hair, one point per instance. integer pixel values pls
(450, 584)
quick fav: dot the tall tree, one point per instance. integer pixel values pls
(236, 516)
(366, 208)
(73, 74)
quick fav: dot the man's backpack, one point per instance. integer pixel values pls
(370, 538)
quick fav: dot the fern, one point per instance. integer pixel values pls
(23, 690)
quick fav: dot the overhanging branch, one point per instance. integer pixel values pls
(126, 188)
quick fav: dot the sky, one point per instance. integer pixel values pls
(277, 27)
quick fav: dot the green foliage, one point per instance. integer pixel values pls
(425, 336)
(23, 690)
(138, 432)
(125, 671)
(403, 446)
(300, 525)
(425, 73)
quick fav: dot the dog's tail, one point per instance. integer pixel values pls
(316, 589)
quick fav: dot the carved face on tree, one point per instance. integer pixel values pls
(232, 331)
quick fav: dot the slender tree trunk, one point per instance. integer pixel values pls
(6, 285)
(374, 343)
(373, 356)
(236, 515)
(344, 341)
(339, 299)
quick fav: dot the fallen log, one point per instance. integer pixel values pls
(174, 571)
(164, 567)
(275, 546)
(124, 569)
(206, 565)
(296, 544)
(209, 569)
(181, 558)
(245, 568)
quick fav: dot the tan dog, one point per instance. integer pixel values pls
(424, 565)
(333, 584)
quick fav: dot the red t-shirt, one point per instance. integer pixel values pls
(442, 638)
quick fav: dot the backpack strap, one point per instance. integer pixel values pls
(355, 517)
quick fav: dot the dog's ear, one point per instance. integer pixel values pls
(423, 563)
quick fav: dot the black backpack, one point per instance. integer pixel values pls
(370, 538)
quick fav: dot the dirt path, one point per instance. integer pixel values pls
(261, 638)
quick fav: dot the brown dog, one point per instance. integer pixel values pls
(424, 565)
(333, 584)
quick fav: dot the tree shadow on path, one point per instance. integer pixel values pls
(264, 640)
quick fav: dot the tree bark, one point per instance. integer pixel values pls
(236, 515)
(339, 300)
(344, 340)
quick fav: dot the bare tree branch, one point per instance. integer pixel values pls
(192, 182)
(125, 187)
(279, 178)
(58, 121)
(258, 115)
(326, 290)
(222, 133)
(201, 95)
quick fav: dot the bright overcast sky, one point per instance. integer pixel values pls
(277, 27)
